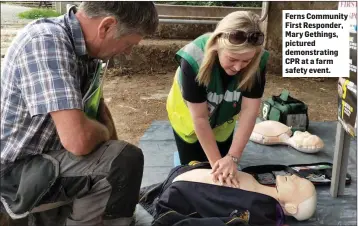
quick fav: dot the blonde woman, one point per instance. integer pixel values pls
(221, 74)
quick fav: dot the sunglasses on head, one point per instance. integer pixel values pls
(238, 37)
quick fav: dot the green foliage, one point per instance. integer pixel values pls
(213, 3)
(38, 13)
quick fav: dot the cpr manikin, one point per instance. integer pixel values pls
(272, 132)
(297, 196)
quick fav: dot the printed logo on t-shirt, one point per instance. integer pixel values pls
(265, 110)
(211, 108)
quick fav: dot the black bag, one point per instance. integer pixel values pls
(287, 110)
(319, 173)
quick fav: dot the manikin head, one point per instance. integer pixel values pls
(311, 143)
(297, 196)
(238, 43)
(114, 27)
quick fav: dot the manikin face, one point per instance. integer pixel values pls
(293, 189)
(232, 62)
(105, 44)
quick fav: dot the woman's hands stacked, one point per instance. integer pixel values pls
(224, 171)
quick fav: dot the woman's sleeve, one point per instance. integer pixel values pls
(258, 88)
(192, 91)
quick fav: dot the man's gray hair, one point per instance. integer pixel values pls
(132, 17)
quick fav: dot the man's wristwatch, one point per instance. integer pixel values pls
(235, 159)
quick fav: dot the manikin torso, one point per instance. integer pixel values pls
(303, 190)
(273, 132)
(246, 181)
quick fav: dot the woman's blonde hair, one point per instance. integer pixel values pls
(240, 20)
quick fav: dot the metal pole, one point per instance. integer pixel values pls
(264, 11)
(340, 161)
(264, 19)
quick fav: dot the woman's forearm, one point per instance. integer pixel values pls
(207, 139)
(247, 122)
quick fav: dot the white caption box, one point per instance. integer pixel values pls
(315, 43)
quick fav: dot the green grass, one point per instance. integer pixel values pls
(38, 13)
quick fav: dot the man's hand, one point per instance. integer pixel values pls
(105, 117)
(79, 134)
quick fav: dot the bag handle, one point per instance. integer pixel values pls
(284, 95)
(282, 98)
(271, 101)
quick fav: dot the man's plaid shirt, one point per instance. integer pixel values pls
(46, 69)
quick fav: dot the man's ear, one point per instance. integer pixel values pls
(291, 208)
(106, 24)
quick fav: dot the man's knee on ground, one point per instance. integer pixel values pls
(125, 178)
(131, 158)
(133, 154)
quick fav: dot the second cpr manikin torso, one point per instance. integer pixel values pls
(272, 132)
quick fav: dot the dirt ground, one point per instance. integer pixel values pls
(136, 100)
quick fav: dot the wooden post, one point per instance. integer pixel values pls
(340, 161)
